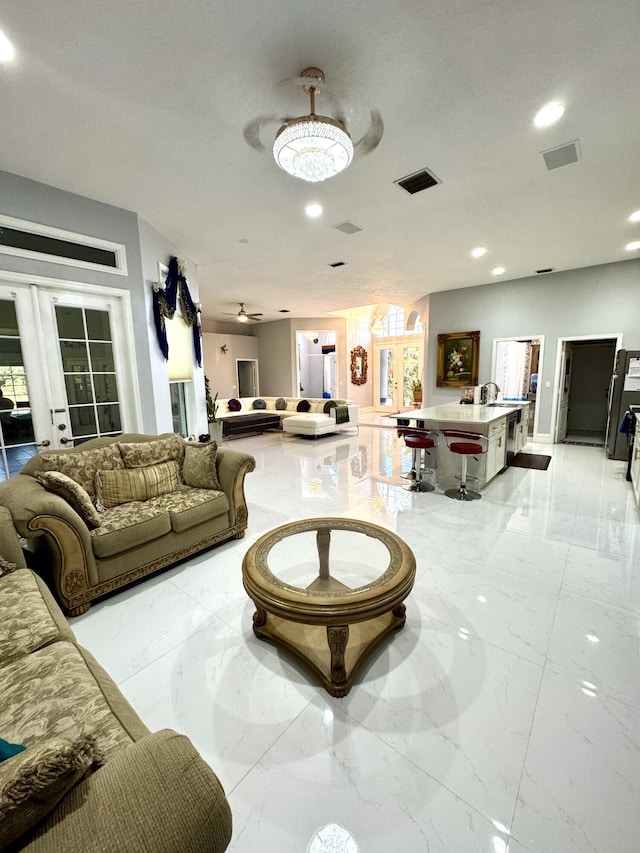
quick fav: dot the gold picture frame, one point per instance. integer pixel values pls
(358, 365)
(458, 355)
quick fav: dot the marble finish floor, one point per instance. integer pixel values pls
(503, 718)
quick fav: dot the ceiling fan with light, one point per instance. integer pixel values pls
(242, 316)
(314, 147)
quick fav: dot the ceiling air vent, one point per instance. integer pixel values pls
(347, 227)
(338, 264)
(417, 182)
(562, 155)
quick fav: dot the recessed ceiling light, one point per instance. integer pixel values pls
(633, 246)
(7, 51)
(313, 210)
(635, 216)
(478, 252)
(549, 114)
(498, 270)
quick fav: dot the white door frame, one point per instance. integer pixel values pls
(395, 343)
(35, 283)
(559, 372)
(539, 391)
(253, 361)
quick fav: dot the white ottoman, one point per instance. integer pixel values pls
(309, 423)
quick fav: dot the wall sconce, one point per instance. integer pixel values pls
(224, 348)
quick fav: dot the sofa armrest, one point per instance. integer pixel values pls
(156, 795)
(64, 553)
(10, 547)
(233, 466)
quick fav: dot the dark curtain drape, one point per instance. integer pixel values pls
(164, 307)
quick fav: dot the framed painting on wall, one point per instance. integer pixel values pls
(458, 354)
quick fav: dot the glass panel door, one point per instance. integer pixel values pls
(396, 367)
(17, 438)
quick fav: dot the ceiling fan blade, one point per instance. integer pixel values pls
(253, 129)
(371, 139)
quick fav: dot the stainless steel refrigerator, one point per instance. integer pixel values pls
(624, 391)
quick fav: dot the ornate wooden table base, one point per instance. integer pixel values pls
(331, 627)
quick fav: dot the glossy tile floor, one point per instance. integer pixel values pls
(505, 715)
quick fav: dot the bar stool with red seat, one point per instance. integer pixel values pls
(418, 440)
(465, 444)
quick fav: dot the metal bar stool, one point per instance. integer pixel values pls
(465, 444)
(418, 440)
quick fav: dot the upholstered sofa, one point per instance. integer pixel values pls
(92, 778)
(312, 416)
(148, 502)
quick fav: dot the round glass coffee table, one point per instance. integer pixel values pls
(329, 590)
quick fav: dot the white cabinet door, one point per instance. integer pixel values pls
(496, 454)
(635, 464)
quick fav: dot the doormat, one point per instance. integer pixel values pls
(584, 443)
(538, 461)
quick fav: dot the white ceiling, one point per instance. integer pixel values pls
(144, 104)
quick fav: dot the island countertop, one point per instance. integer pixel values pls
(461, 413)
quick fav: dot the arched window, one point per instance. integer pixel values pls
(392, 324)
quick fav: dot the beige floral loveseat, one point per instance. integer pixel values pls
(113, 510)
(81, 772)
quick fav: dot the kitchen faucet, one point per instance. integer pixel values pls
(485, 397)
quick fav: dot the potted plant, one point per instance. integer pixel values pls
(416, 388)
(215, 426)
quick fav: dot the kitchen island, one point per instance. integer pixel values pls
(502, 424)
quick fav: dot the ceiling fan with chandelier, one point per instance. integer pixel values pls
(314, 147)
(242, 316)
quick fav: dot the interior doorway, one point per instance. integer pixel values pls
(317, 366)
(247, 372)
(583, 372)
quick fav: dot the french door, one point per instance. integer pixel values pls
(67, 372)
(396, 366)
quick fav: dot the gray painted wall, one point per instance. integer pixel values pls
(35, 202)
(276, 356)
(220, 366)
(591, 301)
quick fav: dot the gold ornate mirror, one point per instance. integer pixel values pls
(358, 366)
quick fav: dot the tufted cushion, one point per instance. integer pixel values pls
(136, 484)
(140, 454)
(303, 406)
(259, 404)
(82, 465)
(330, 404)
(281, 404)
(33, 782)
(199, 468)
(73, 494)
(234, 405)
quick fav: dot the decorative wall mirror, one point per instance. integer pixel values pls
(358, 366)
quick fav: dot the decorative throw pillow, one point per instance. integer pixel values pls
(281, 404)
(73, 494)
(303, 406)
(6, 567)
(199, 469)
(33, 782)
(234, 405)
(8, 750)
(136, 484)
(330, 404)
(81, 465)
(140, 454)
(259, 404)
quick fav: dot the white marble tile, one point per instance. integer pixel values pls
(457, 707)
(132, 629)
(598, 643)
(609, 578)
(327, 771)
(232, 695)
(430, 745)
(512, 613)
(581, 785)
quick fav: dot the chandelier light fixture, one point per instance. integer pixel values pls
(313, 147)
